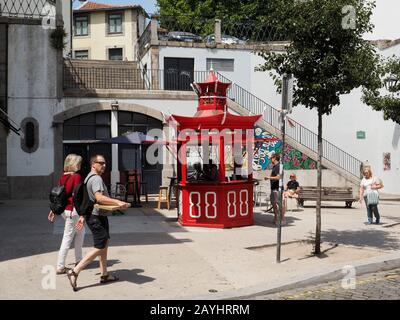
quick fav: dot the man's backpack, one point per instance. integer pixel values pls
(58, 198)
(82, 203)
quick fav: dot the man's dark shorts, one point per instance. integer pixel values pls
(100, 229)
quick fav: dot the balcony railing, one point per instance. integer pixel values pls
(92, 77)
(206, 31)
(246, 31)
(32, 9)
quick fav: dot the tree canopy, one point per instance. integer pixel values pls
(229, 10)
(327, 53)
(327, 56)
(389, 103)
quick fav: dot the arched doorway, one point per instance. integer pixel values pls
(80, 133)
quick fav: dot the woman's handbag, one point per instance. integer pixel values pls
(372, 197)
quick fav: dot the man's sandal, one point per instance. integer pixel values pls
(70, 274)
(108, 278)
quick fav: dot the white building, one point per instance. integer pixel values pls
(68, 112)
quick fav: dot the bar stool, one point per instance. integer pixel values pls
(173, 190)
(132, 187)
(162, 199)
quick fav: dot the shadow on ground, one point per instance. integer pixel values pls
(25, 231)
(374, 239)
(267, 220)
(132, 276)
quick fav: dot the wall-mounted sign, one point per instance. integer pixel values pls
(386, 161)
(360, 134)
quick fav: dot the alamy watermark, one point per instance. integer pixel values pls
(349, 19)
(49, 278)
(189, 146)
(349, 280)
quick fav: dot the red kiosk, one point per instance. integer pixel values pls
(215, 190)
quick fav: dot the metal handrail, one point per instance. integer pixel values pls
(143, 41)
(296, 131)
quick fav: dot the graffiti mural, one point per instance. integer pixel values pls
(292, 159)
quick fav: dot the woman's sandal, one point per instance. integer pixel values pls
(108, 278)
(62, 271)
(70, 274)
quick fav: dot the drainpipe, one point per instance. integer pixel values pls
(59, 67)
(70, 27)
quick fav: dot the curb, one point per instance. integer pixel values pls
(388, 263)
(365, 266)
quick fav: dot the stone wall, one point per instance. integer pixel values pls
(3, 100)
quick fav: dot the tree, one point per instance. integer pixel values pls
(198, 16)
(232, 10)
(326, 55)
(388, 103)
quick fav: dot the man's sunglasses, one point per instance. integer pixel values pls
(100, 162)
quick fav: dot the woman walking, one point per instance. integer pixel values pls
(369, 187)
(70, 179)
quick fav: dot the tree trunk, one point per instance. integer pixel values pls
(317, 249)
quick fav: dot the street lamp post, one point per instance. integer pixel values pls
(287, 93)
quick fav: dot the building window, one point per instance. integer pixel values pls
(115, 54)
(81, 26)
(30, 139)
(220, 64)
(82, 54)
(115, 23)
(129, 155)
(88, 126)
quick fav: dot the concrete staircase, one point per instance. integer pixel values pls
(341, 163)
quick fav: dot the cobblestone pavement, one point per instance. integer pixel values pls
(376, 286)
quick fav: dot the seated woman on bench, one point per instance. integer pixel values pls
(292, 188)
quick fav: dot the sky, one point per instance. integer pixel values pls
(386, 20)
(385, 17)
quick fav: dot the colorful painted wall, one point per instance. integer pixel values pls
(292, 159)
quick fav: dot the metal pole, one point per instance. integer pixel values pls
(286, 108)
(279, 233)
(71, 22)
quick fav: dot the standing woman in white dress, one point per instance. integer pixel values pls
(369, 187)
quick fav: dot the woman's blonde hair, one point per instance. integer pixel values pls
(368, 169)
(72, 163)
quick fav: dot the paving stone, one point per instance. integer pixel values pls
(377, 286)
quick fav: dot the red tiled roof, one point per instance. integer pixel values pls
(88, 6)
(93, 5)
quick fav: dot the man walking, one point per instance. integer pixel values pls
(275, 192)
(97, 222)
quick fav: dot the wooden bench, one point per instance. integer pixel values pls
(328, 194)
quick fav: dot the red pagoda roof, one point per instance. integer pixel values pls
(218, 121)
(212, 85)
(212, 110)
